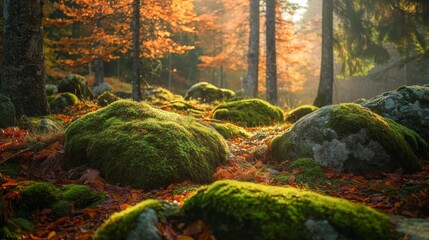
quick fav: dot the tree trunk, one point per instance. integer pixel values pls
(24, 73)
(271, 77)
(99, 71)
(326, 92)
(136, 94)
(251, 81)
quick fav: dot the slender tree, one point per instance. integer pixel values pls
(326, 83)
(251, 81)
(24, 73)
(136, 94)
(271, 62)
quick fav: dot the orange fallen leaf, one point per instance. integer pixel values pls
(184, 237)
(51, 234)
(124, 206)
(91, 212)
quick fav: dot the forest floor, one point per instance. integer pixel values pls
(39, 157)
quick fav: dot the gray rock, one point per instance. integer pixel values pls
(322, 230)
(146, 227)
(408, 106)
(414, 229)
(7, 112)
(47, 125)
(101, 88)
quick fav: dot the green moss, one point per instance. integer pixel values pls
(249, 113)
(13, 228)
(61, 208)
(229, 130)
(106, 98)
(50, 89)
(38, 195)
(120, 224)
(310, 172)
(351, 118)
(416, 142)
(238, 210)
(401, 88)
(82, 196)
(299, 112)
(11, 169)
(76, 84)
(160, 96)
(206, 92)
(135, 144)
(58, 102)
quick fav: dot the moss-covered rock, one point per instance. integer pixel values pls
(308, 172)
(229, 130)
(133, 223)
(61, 208)
(106, 98)
(249, 113)
(38, 195)
(51, 89)
(82, 196)
(76, 84)
(159, 95)
(299, 112)
(58, 102)
(238, 210)
(408, 106)
(346, 138)
(102, 88)
(133, 143)
(206, 92)
(41, 124)
(7, 112)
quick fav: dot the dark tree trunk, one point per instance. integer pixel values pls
(271, 62)
(136, 94)
(251, 81)
(24, 73)
(99, 71)
(326, 90)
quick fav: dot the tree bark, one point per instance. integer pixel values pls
(326, 83)
(99, 71)
(271, 77)
(24, 74)
(251, 81)
(136, 91)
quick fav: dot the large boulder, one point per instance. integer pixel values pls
(409, 106)
(207, 92)
(350, 138)
(7, 112)
(132, 143)
(239, 210)
(249, 112)
(76, 84)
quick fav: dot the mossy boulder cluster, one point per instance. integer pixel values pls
(58, 102)
(350, 138)
(206, 92)
(135, 144)
(239, 210)
(249, 113)
(76, 84)
(106, 98)
(7, 112)
(40, 195)
(299, 112)
(408, 105)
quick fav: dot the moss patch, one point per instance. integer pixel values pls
(238, 210)
(309, 172)
(249, 113)
(206, 92)
(300, 112)
(229, 130)
(120, 224)
(38, 195)
(76, 84)
(58, 102)
(351, 118)
(133, 143)
(106, 98)
(82, 196)
(61, 208)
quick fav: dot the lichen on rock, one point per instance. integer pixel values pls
(249, 113)
(135, 144)
(239, 210)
